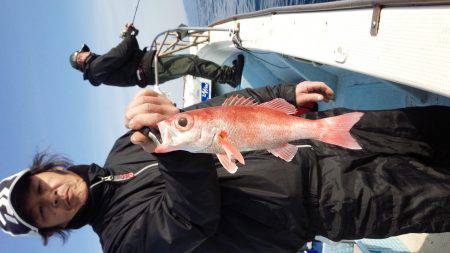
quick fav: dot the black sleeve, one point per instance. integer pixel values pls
(191, 205)
(261, 95)
(105, 65)
(127, 157)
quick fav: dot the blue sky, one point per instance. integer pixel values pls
(45, 104)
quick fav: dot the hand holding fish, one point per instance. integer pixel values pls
(307, 91)
(147, 108)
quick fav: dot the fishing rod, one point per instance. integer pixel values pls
(136, 31)
(152, 133)
(122, 34)
(156, 87)
(135, 11)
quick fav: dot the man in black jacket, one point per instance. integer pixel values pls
(182, 202)
(128, 65)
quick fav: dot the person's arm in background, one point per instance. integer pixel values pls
(296, 94)
(104, 65)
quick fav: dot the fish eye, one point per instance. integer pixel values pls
(182, 122)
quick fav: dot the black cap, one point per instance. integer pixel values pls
(73, 57)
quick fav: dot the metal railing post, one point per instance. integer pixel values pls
(173, 48)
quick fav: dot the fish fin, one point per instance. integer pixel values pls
(337, 130)
(281, 105)
(227, 163)
(286, 152)
(232, 151)
(239, 100)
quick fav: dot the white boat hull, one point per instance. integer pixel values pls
(412, 46)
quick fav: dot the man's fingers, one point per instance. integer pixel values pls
(317, 87)
(142, 140)
(327, 91)
(150, 108)
(149, 102)
(140, 98)
(142, 105)
(307, 98)
(146, 96)
(138, 138)
(141, 120)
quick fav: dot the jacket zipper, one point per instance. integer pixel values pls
(122, 177)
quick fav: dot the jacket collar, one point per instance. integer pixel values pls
(91, 174)
(87, 66)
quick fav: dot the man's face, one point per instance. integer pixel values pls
(53, 198)
(81, 58)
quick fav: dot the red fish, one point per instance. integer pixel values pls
(240, 124)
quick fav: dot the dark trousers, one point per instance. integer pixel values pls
(175, 66)
(399, 183)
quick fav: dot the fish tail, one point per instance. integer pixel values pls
(337, 130)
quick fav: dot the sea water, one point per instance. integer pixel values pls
(205, 12)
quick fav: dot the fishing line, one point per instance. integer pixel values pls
(261, 59)
(123, 33)
(238, 44)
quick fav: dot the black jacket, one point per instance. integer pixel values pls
(188, 203)
(119, 66)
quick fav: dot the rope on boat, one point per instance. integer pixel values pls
(238, 44)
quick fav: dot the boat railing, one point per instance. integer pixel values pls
(179, 39)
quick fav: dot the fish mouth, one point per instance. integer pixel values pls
(164, 144)
(164, 148)
(153, 133)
